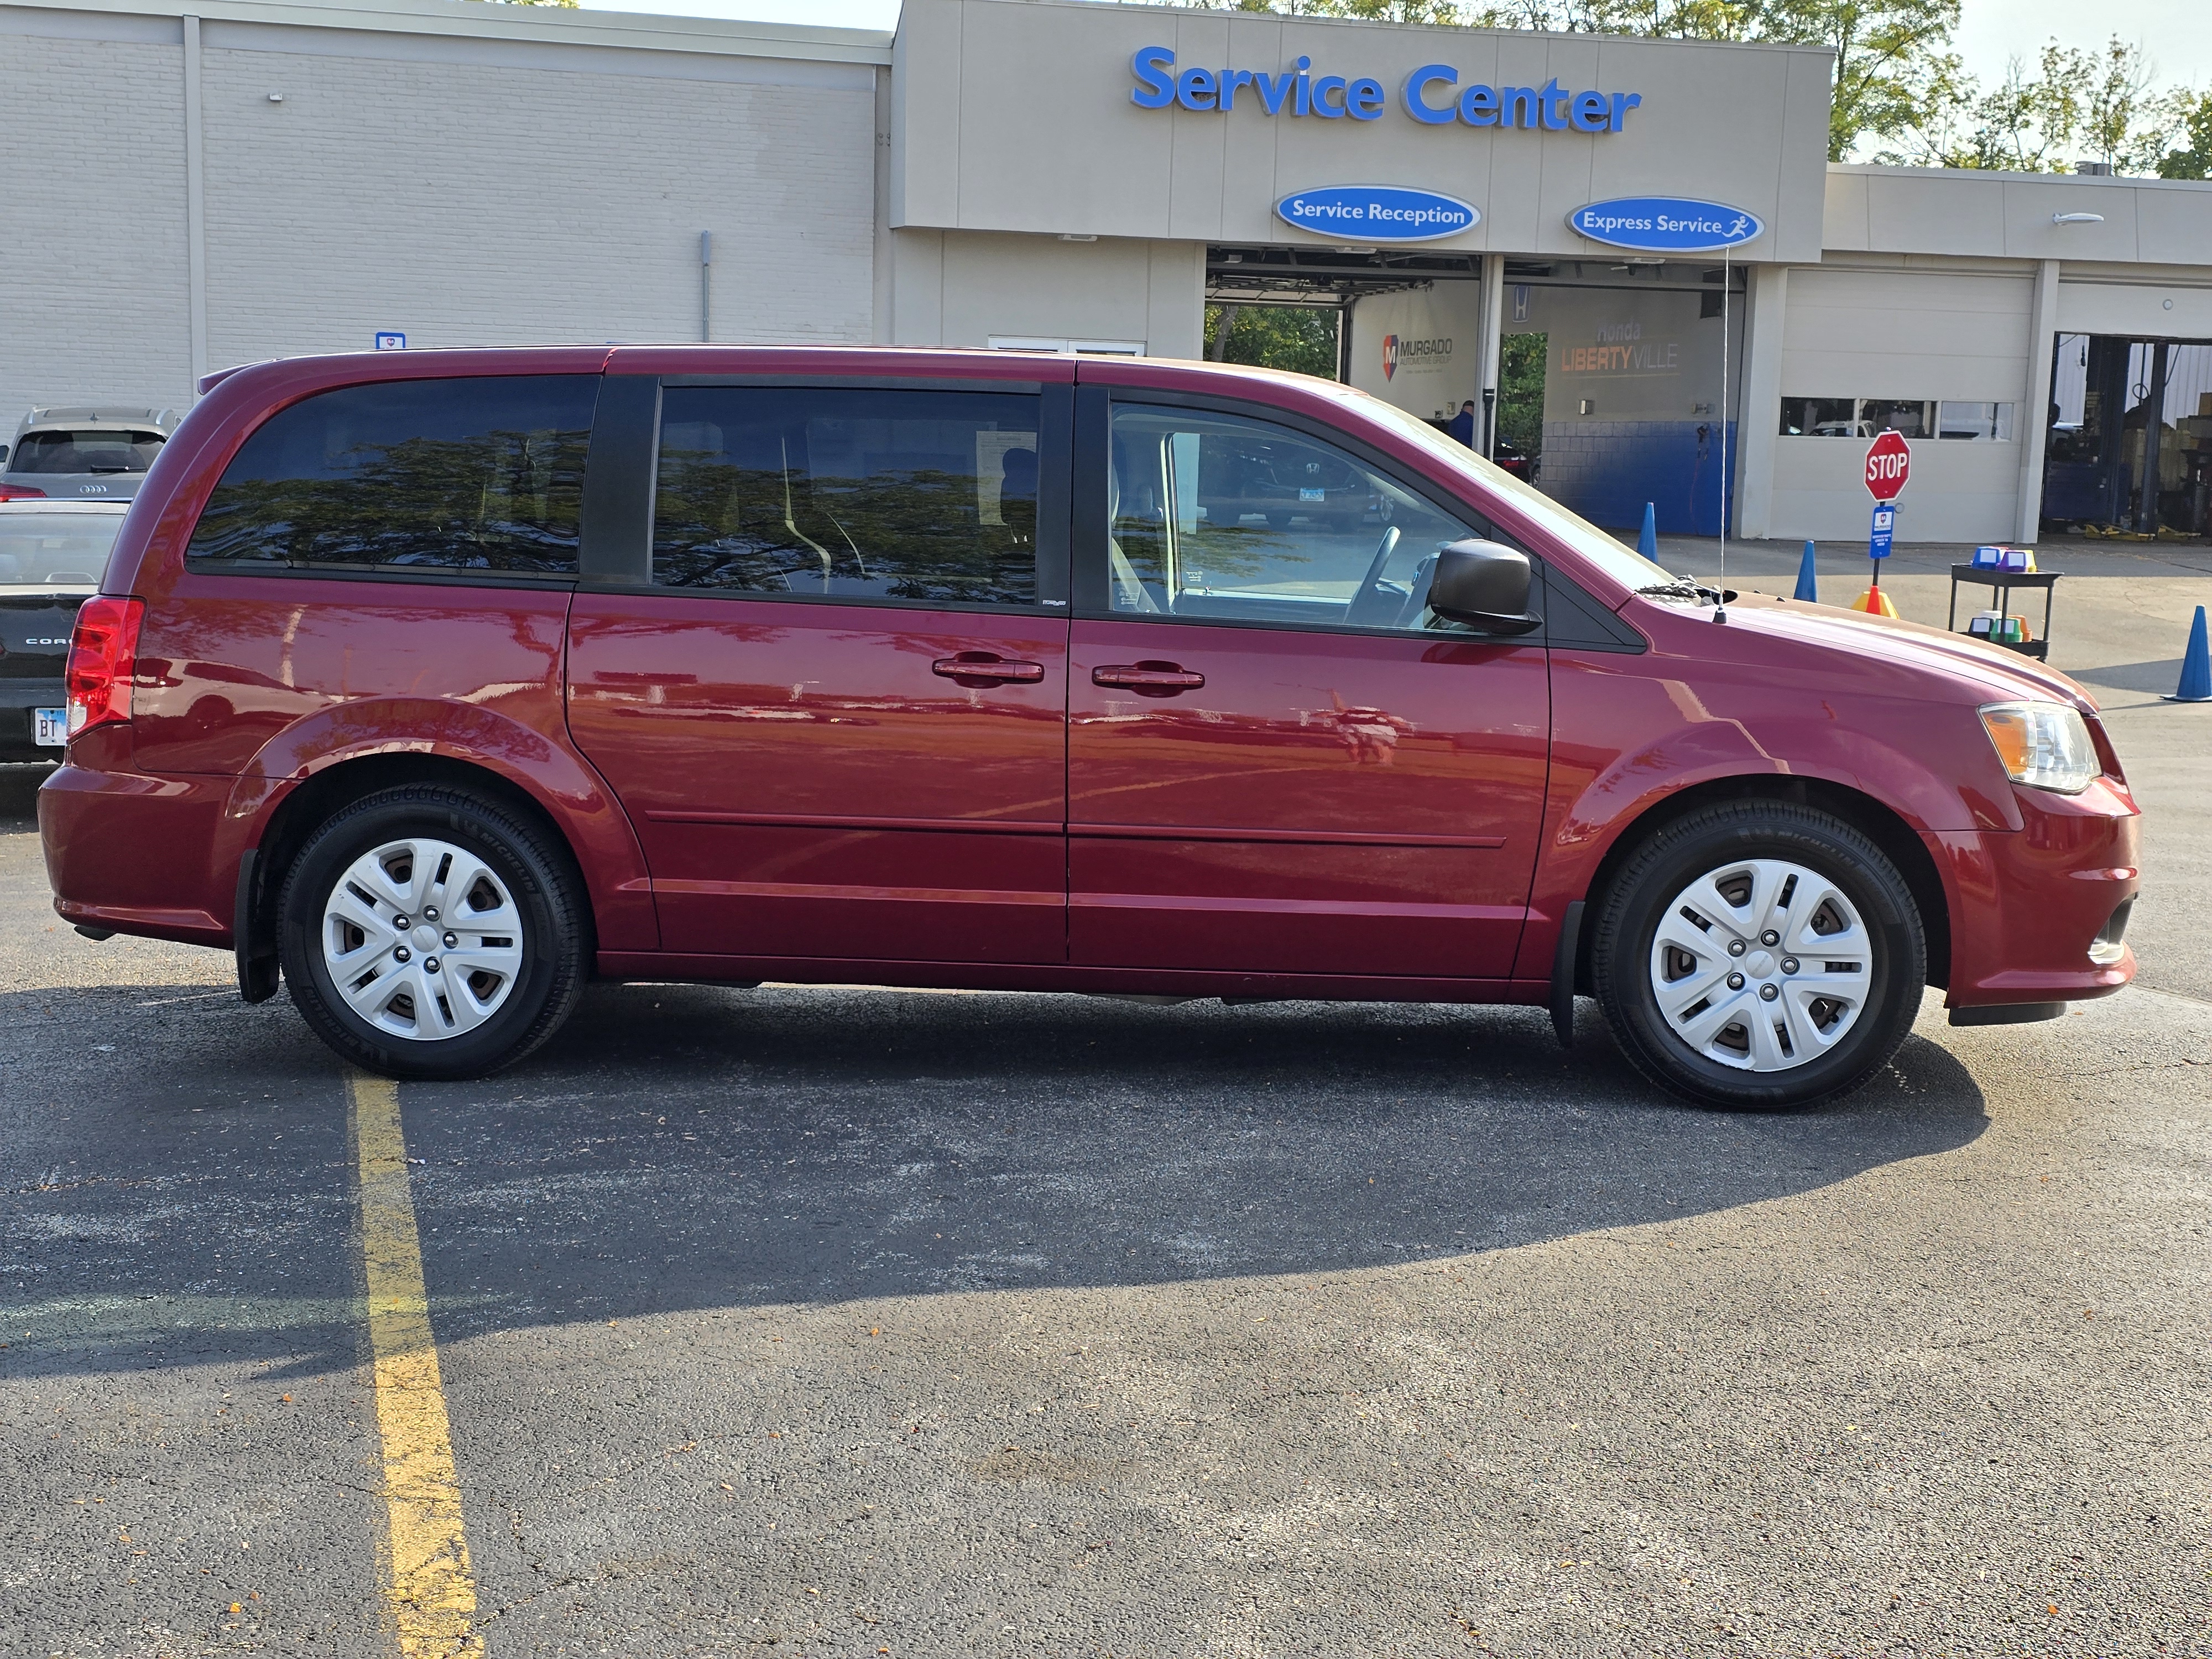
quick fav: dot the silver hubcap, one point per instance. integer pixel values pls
(421, 939)
(1762, 965)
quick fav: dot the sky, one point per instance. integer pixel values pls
(2177, 33)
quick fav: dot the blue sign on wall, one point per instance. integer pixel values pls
(1666, 224)
(1431, 95)
(1377, 213)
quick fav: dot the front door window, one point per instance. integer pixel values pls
(1221, 517)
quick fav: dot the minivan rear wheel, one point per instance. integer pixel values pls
(1759, 954)
(429, 932)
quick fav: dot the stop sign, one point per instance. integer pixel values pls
(1889, 464)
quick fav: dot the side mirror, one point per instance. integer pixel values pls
(1484, 586)
(4, 455)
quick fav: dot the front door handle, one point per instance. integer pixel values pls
(976, 668)
(1148, 679)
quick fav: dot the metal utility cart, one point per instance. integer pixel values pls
(2000, 583)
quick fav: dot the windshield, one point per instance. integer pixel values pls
(1624, 564)
(85, 451)
(59, 550)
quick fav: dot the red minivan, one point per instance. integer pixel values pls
(446, 682)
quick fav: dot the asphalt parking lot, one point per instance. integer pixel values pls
(839, 1322)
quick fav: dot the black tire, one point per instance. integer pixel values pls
(546, 891)
(1704, 842)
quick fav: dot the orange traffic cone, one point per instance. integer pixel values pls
(1875, 603)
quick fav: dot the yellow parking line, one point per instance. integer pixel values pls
(429, 1591)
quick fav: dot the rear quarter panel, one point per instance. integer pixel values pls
(272, 679)
(263, 681)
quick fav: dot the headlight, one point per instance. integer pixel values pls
(2044, 745)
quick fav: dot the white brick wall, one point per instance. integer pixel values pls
(469, 205)
(413, 183)
(92, 283)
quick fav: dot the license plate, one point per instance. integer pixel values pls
(50, 727)
(1313, 495)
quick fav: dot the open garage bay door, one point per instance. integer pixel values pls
(2126, 413)
(1610, 372)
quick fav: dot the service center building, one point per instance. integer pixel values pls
(1726, 318)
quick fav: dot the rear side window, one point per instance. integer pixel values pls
(476, 474)
(860, 495)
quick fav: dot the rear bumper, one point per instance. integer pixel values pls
(156, 857)
(2029, 907)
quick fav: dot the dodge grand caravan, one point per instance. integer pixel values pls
(434, 685)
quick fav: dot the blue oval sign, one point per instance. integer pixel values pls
(1377, 213)
(1666, 224)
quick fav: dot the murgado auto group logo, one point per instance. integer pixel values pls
(1411, 355)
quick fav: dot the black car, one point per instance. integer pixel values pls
(1278, 483)
(51, 555)
(1511, 458)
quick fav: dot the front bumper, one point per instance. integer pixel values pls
(2032, 911)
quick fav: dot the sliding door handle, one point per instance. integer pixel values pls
(1149, 679)
(975, 668)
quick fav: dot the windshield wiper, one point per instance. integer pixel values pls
(1694, 593)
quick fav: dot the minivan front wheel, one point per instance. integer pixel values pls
(427, 933)
(1759, 954)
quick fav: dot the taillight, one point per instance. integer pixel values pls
(20, 493)
(102, 659)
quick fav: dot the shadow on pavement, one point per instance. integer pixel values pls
(192, 1189)
(2160, 676)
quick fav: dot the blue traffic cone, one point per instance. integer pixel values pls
(1648, 542)
(1808, 580)
(2196, 666)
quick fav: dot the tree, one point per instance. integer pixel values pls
(1521, 392)
(1890, 59)
(1889, 53)
(1897, 82)
(2078, 105)
(2026, 125)
(1376, 11)
(1299, 338)
(2023, 126)
(2121, 122)
(2192, 122)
